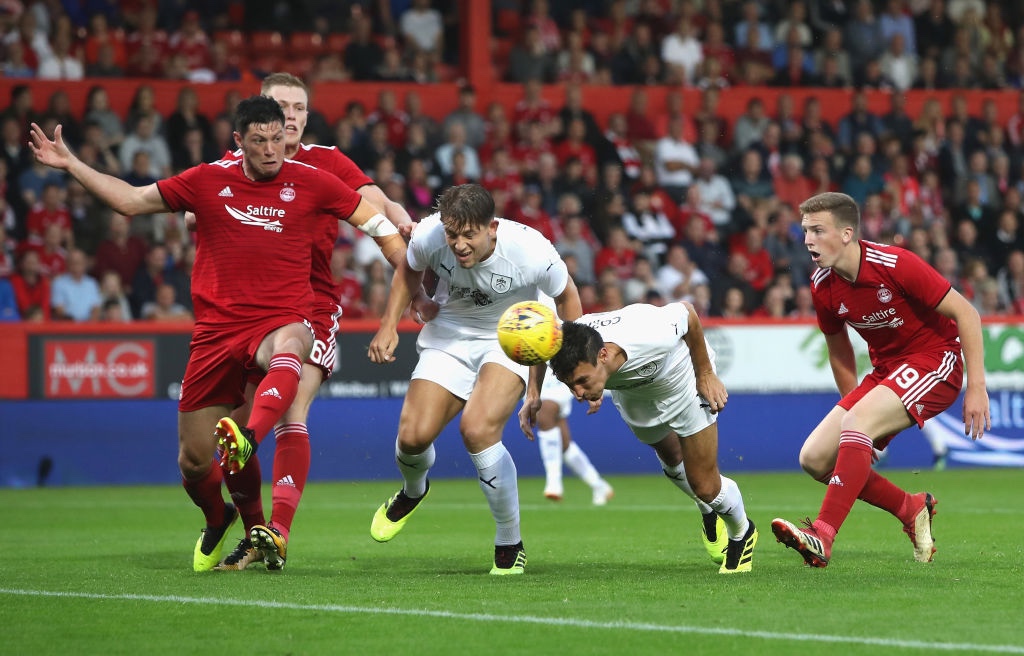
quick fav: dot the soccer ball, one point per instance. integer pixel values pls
(529, 333)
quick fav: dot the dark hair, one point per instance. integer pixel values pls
(842, 207)
(257, 110)
(466, 205)
(580, 343)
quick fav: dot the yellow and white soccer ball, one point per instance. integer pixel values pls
(529, 333)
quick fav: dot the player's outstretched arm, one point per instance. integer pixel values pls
(394, 212)
(968, 323)
(709, 385)
(111, 191)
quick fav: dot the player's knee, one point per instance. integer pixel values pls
(706, 485)
(813, 462)
(477, 436)
(192, 466)
(414, 442)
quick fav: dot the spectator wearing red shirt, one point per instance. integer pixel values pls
(618, 255)
(388, 113)
(539, 18)
(499, 135)
(528, 151)
(501, 172)
(639, 127)
(120, 252)
(192, 42)
(903, 188)
(146, 46)
(715, 47)
(101, 35)
(760, 269)
(533, 108)
(31, 287)
(350, 289)
(625, 151)
(53, 257)
(528, 211)
(50, 210)
(575, 145)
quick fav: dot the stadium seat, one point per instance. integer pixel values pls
(266, 44)
(305, 45)
(337, 42)
(235, 39)
(507, 22)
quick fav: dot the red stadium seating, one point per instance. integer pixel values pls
(305, 45)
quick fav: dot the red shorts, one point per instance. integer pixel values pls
(220, 358)
(927, 383)
(325, 345)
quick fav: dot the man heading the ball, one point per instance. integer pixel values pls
(661, 374)
(484, 264)
(916, 326)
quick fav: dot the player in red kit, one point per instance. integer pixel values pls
(261, 209)
(915, 325)
(268, 541)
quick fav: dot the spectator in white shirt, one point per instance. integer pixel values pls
(682, 53)
(422, 26)
(675, 160)
(59, 63)
(717, 199)
(75, 294)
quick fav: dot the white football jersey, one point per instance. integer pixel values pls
(657, 377)
(472, 300)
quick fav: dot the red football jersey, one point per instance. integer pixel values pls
(891, 304)
(255, 237)
(332, 160)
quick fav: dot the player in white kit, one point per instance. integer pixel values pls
(484, 265)
(661, 373)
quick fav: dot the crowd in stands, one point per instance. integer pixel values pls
(655, 204)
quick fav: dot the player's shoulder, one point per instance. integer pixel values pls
(512, 234)
(885, 256)
(313, 153)
(821, 278)
(429, 230)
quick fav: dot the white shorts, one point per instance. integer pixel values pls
(457, 366)
(690, 420)
(558, 392)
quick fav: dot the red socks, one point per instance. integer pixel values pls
(291, 469)
(275, 393)
(245, 489)
(853, 468)
(205, 493)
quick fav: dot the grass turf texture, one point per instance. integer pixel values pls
(108, 570)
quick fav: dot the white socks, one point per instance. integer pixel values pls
(497, 473)
(550, 443)
(579, 463)
(414, 469)
(678, 477)
(729, 506)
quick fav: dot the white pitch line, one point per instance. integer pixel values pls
(529, 619)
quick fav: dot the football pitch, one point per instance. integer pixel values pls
(107, 570)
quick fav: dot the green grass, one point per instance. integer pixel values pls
(108, 570)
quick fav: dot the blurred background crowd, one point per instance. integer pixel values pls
(656, 203)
